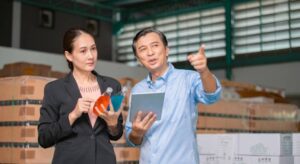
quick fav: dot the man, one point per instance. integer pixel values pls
(172, 139)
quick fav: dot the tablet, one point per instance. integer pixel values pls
(146, 102)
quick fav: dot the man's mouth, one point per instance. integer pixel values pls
(152, 61)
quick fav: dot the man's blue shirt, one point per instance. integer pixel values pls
(173, 138)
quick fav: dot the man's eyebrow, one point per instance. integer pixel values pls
(141, 47)
(154, 42)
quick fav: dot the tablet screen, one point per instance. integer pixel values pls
(146, 102)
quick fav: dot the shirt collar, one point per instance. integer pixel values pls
(164, 77)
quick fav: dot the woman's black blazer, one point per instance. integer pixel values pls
(80, 143)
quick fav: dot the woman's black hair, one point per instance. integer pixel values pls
(69, 38)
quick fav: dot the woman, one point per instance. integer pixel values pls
(66, 117)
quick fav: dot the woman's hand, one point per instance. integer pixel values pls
(83, 105)
(111, 118)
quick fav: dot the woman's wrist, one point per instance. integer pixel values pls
(113, 129)
(71, 118)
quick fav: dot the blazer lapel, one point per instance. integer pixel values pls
(73, 91)
(72, 87)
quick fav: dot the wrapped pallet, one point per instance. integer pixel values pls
(20, 103)
(243, 116)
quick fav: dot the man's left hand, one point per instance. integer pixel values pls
(199, 61)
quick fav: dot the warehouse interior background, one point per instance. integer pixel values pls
(248, 41)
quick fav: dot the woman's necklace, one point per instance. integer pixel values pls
(89, 89)
(90, 86)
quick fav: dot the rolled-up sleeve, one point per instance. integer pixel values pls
(204, 97)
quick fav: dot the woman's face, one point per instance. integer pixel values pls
(84, 54)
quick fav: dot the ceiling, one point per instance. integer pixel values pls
(120, 10)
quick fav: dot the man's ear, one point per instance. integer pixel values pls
(138, 60)
(139, 63)
(68, 56)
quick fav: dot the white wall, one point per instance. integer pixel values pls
(58, 63)
(284, 76)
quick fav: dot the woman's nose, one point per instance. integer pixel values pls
(90, 54)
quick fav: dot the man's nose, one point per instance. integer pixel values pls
(150, 51)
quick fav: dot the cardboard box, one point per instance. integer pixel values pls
(44, 156)
(26, 155)
(246, 125)
(251, 110)
(127, 154)
(273, 159)
(245, 159)
(41, 155)
(211, 159)
(247, 148)
(209, 131)
(217, 144)
(23, 68)
(234, 84)
(296, 159)
(18, 134)
(207, 144)
(265, 144)
(296, 144)
(259, 99)
(23, 87)
(19, 113)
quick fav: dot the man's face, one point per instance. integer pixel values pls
(151, 52)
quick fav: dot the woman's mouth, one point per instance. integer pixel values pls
(90, 64)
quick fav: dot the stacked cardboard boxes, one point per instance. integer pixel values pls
(20, 103)
(296, 147)
(124, 153)
(23, 68)
(240, 116)
(246, 148)
(262, 111)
